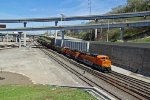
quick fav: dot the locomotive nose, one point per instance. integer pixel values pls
(106, 63)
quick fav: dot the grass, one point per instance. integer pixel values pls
(147, 39)
(42, 92)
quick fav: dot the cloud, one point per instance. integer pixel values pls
(34, 9)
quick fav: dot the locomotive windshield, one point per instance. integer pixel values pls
(105, 58)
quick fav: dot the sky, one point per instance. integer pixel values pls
(53, 8)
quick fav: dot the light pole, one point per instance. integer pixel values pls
(108, 31)
(62, 16)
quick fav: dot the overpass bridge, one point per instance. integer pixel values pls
(73, 18)
(89, 26)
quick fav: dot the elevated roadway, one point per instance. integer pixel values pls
(90, 26)
(2, 25)
(87, 17)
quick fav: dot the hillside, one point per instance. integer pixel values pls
(131, 6)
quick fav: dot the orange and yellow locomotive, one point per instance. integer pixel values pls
(100, 62)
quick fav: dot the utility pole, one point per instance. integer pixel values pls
(108, 32)
(90, 7)
(90, 11)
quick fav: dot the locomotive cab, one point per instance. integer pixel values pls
(104, 61)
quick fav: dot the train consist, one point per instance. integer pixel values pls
(99, 62)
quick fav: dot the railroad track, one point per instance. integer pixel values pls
(130, 78)
(137, 83)
(79, 75)
(134, 89)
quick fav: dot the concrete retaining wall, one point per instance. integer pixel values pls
(135, 59)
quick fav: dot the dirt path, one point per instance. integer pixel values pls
(13, 79)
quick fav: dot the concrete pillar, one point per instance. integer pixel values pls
(20, 39)
(121, 33)
(2, 38)
(95, 33)
(56, 22)
(96, 20)
(88, 46)
(25, 39)
(16, 38)
(33, 38)
(25, 24)
(62, 37)
(7, 38)
(19, 42)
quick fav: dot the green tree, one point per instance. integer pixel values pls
(135, 4)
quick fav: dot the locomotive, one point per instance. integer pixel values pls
(99, 62)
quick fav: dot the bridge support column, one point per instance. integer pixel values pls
(2, 38)
(121, 33)
(25, 24)
(7, 38)
(33, 38)
(20, 39)
(62, 35)
(95, 33)
(96, 20)
(16, 38)
(56, 22)
(25, 39)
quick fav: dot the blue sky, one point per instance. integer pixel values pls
(53, 8)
